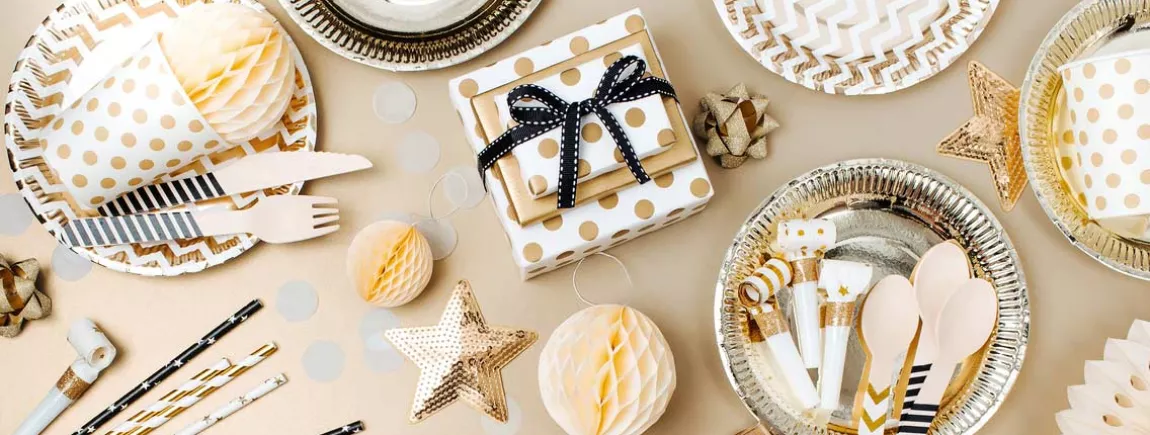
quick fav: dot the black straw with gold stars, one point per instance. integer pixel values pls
(191, 352)
(346, 429)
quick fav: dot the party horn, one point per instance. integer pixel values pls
(757, 295)
(844, 282)
(95, 352)
(803, 243)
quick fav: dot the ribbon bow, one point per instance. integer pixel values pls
(538, 110)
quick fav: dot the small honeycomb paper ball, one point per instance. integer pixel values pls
(606, 371)
(235, 64)
(389, 263)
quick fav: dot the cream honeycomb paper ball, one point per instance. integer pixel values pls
(235, 64)
(606, 371)
(389, 263)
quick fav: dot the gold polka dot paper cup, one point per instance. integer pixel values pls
(130, 129)
(1108, 98)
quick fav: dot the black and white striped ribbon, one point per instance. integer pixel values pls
(917, 419)
(163, 195)
(151, 227)
(913, 386)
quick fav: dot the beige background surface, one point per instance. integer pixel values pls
(1076, 303)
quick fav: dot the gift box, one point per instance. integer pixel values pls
(613, 66)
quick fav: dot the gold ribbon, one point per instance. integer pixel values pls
(771, 323)
(840, 313)
(21, 300)
(71, 386)
(805, 270)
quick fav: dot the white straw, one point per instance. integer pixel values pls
(235, 405)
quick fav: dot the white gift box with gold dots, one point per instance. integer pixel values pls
(610, 209)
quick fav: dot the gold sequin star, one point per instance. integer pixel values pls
(991, 136)
(461, 358)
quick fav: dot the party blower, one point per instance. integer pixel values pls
(96, 353)
(844, 282)
(757, 295)
(803, 242)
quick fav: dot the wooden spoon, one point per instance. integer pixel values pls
(965, 324)
(939, 273)
(889, 322)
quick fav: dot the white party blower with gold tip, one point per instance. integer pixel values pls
(96, 353)
(803, 243)
(757, 295)
(844, 282)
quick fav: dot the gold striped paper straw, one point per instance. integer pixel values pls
(204, 390)
(172, 396)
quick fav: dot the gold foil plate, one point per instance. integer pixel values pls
(355, 38)
(887, 214)
(1094, 26)
(39, 79)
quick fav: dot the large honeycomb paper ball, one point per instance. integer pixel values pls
(607, 370)
(389, 263)
(235, 64)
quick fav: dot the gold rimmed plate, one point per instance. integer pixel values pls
(855, 47)
(41, 76)
(1091, 27)
(887, 213)
(409, 35)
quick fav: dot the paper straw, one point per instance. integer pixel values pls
(235, 405)
(191, 352)
(346, 429)
(204, 390)
(183, 390)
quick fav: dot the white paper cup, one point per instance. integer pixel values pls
(1109, 102)
(130, 129)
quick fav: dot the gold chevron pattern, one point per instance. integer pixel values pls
(839, 47)
(876, 425)
(42, 73)
(877, 397)
(875, 408)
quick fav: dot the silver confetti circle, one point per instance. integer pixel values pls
(372, 326)
(323, 361)
(394, 102)
(418, 152)
(440, 234)
(68, 265)
(15, 217)
(464, 187)
(297, 301)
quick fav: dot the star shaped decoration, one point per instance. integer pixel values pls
(461, 358)
(145, 385)
(178, 363)
(991, 136)
(843, 290)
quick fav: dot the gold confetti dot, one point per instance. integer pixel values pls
(1142, 86)
(128, 139)
(570, 77)
(79, 180)
(1089, 70)
(588, 231)
(114, 109)
(537, 184)
(195, 126)
(644, 209)
(184, 145)
(58, 124)
(1088, 181)
(665, 180)
(592, 132)
(553, 224)
(128, 86)
(107, 183)
(532, 252)
(157, 144)
(635, 117)
(635, 23)
(93, 104)
(145, 61)
(1067, 163)
(1144, 131)
(64, 151)
(1083, 138)
(1110, 136)
(1113, 180)
(90, 157)
(101, 134)
(1122, 66)
(1100, 203)
(1125, 111)
(524, 66)
(135, 181)
(119, 162)
(147, 164)
(1129, 157)
(77, 127)
(1106, 91)
(1082, 199)
(140, 116)
(618, 156)
(468, 88)
(700, 187)
(1092, 115)
(152, 91)
(178, 98)
(548, 148)
(96, 200)
(212, 144)
(1132, 201)
(109, 83)
(1073, 116)
(579, 45)
(1096, 159)
(1145, 176)
(168, 122)
(1079, 95)
(173, 163)
(583, 169)
(610, 201)
(666, 137)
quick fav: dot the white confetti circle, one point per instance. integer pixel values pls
(297, 301)
(394, 102)
(323, 361)
(418, 152)
(15, 217)
(464, 187)
(511, 427)
(440, 234)
(372, 326)
(68, 265)
(385, 360)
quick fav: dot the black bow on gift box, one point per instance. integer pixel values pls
(538, 111)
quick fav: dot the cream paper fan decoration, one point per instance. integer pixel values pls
(1116, 397)
(235, 64)
(606, 371)
(389, 263)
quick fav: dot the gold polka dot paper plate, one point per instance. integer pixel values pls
(1094, 27)
(409, 36)
(39, 82)
(887, 213)
(847, 47)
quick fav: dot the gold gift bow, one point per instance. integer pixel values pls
(22, 300)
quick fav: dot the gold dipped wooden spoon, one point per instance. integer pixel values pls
(889, 322)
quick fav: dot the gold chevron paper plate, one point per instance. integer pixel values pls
(1094, 26)
(409, 36)
(39, 79)
(840, 47)
(887, 214)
